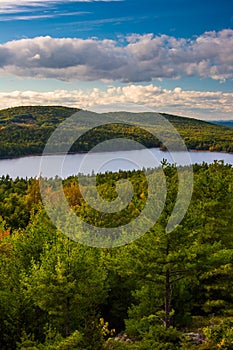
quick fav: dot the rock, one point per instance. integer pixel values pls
(122, 338)
(196, 338)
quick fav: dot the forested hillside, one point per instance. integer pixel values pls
(228, 123)
(25, 130)
(58, 294)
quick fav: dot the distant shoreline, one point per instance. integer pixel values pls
(85, 152)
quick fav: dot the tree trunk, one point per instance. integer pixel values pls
(167, 300)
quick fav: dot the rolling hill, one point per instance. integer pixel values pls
(25, 130)
(228, 123)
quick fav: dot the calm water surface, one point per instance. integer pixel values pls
(65, 166)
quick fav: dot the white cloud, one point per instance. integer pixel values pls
(197, 104)
(142, 58)
(14, 6)
(29, 17)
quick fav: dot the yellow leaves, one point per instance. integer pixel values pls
(142, 195)
(73, 194)
(220, 345)
(104, 328)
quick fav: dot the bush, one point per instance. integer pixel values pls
(27, 342)
(218, 336)
(112, 344)
(54, 341)
(221, 334)
(160, 338)
(140, 327)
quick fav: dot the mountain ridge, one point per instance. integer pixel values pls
(228, 123)
(24, 130)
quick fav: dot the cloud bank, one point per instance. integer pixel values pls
(198, 104)
(141, 58)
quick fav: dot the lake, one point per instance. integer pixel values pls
(73, 164)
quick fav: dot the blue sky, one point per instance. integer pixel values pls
(174, 56)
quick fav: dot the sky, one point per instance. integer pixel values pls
(172, 56)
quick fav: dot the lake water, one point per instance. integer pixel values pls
(73, 164)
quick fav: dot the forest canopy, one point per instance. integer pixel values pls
(162, 290)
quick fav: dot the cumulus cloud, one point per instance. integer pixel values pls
(142, 58)
(198, 104)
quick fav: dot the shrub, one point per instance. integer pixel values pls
(221, 334)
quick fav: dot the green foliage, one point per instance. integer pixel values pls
(112, 344)
(221, 334)
(217, 335)
(25, 130)
(67, 283)
(12, 202)
(57, 342)
(27, 342)
(53, 291)
(93, 338)
(159, 338)
(53, 341)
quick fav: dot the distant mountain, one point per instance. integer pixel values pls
(228, 123)
(25, 130)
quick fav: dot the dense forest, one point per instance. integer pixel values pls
(25, 130)
(164, 291)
